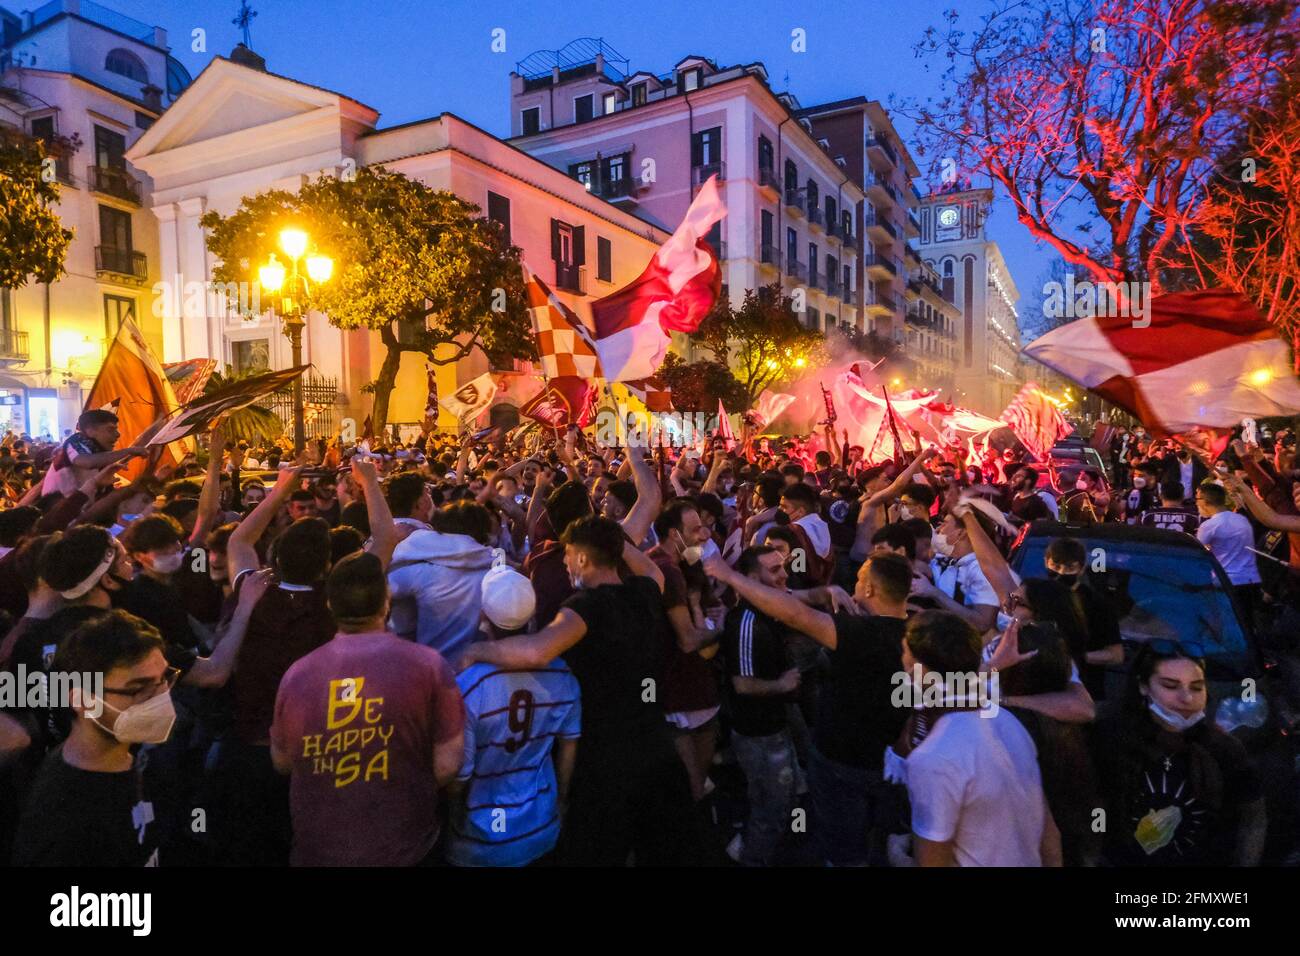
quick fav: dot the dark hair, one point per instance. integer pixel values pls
(897, 536)
(180, 508)
(218, 538)
(301, 494)
(357, 589)
(921, 530)
(403, 493)
(823, 459)
(463, 517)
(944, 642)
(769, 489)
(17, 522)
(710, 503)
(1051, 601)
(599, 538)
(922, 494)
(747, 563)
(105, 641)
(345, 540)
(1173, 491)
(67, 562)
(1031, 472)
(182, 488)
(670, 518)
(27, 559)
(870, 474)
(782, 533)
(566, 504)
(624, 492)
(302, 551)
(1046, 672)
(892, 573)
(151, 533)
(95, 416)
(1066, 551)
(1214, 495)
(801, 494)
(792, 469)
(354, 515)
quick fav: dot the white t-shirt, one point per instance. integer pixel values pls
(1228, 535)
(819, 533)
(974, 780)
(975, 587)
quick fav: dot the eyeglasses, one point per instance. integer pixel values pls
(149, 691)
(1013, 601)
(1164, 647)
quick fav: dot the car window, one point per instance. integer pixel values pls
(1160, 592)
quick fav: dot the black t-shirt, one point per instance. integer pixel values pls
(85, 818)
(162, 606)
(1101, 619)
(754, 646)
(1160, 818)
(1030, 508)
(622, 649)
(856, 719)
(34, 650)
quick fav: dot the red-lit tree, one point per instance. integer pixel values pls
(1104, 120)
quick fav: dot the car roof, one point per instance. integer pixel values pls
(1138, 534)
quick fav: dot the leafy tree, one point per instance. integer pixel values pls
(763, 342)
(417, 265)
(698, 386)
(1102, 119)
(33, 241)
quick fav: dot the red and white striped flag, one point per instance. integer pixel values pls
(673, 294)
(1036, 420)
(565, 346)
(653, 392)
(724, 424)
(1204, 359)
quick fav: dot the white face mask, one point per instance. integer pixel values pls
(1081, 484)
(1005, 620)
(1177, 721)
(1139, 482)
(146, 723)
(692, 554)
(941, 545)
(169, 564)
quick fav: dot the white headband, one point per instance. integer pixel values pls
(72, 593)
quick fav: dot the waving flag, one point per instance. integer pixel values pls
(204, 410)
(471, 399)
(564, 344)
(1036, 420)
(653, 392)
(567, 400)
(188, 378)
(673, 294)
(724, 424)
(770, 406)
(1205, 359)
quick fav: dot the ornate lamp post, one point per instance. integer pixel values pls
(295, 287)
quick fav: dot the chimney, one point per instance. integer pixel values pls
(246, 57)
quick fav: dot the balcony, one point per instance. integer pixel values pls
(881, 190)
(846, 237)
(794, 202)
(571, 278)
(121, 264)
(770, 256)
(815, 217)
(115, 182)
(832, 287)
(700, 174)
(913, 288)
(14, 348)
(880, 229)
(796, 269)
(881, 306)
(879, 150)
(881, 267)
(910, 253)
(767, 179)
(913, 226)
(815, 278)
(618, 190)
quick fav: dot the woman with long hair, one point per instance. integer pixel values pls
(1176, 789)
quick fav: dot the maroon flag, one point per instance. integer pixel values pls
(564, 401)
(1036, 420)
(653, 392)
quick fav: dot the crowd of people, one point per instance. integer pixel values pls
(534, 650)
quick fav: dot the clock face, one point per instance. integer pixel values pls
(948, 216)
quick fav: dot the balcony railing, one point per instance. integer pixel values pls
(770, 255)
(700, 174)
(571, 278)
(880, 182)
(877, 142)
(794, 200)
(767, 179)
(913, 225)
(796, 269)
(814, 278)
(114, 182)
(846, 237)
(832, 287)
(14, 346)
(623, 188)
(122, 262)
(815, 217)
(883, 262)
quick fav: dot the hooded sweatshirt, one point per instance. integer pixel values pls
(434, 582)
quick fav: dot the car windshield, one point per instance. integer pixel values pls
(1160, 592)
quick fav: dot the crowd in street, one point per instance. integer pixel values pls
(533, 650)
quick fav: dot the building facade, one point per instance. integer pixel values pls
(87, 82)
(240, 130)
(988, 368)
(647, 142)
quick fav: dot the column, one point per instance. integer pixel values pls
(170, 297)
(202, 338)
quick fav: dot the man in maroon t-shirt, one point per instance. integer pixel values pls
(368, 727)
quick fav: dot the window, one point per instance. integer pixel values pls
(832, 213)
(532, 120)
(6, 310)
(766, 158)
(765, 230)
(689, 80)
(143, 120)
(812, 195)
(582, 108)
(499, 212)
(714, 238)
(949, 285)
(252, 355)
(604, 259)
(791, 246)
(791, 177)
(615, 169)
(584, 173)
(117, 308)
(611, 103)
(638, 94)
(125, 63)
(43, 128)
(814, 318)
(569, 251)
(706, 147)
(110, 148)
(848, 284)
(832, 269)
(115, 229)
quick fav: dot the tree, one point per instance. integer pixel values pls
(699, 386)
(1102, 119)
(415, 264)
(33, 241)
(763, 341)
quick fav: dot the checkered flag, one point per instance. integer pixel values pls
(566, 347)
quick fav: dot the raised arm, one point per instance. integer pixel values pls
(990, 559)
(241, 552)
(1260, 509)
(210, 495)
(383, 532)
(649, 496)
(782, 605)
(529, 651)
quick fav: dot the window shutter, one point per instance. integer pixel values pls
(555, 240)
(579, 245)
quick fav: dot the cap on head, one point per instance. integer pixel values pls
(508, 597)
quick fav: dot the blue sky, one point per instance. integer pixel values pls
(418, 59)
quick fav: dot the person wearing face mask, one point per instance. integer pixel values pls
(1171, 515)
(1177, 790)
(1026, 503)
(1087, 502)
(1183, 467)
(689, 690)
(1142, 497)
(155, 545)
(93, 803)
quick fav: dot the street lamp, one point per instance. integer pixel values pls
(295, 286)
